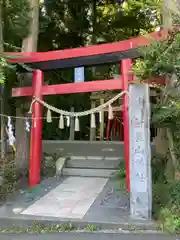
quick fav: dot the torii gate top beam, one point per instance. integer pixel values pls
(85, 56)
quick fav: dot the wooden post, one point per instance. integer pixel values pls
(71, 131)
(36, 131)
(92, 130)
(102, 121)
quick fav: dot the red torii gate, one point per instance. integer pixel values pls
(122, 52)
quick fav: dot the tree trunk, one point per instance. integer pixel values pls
(3, 133)
(161, 138)
(1, 29)
(170, 9)
(172, 162)
(22, 137)
(93, 41)
(167, 14)
(30, 42)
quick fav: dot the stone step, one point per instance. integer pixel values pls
(82, 172)
(100, 164)
(96, 158)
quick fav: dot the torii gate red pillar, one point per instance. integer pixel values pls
(36, 130)
(125, 69)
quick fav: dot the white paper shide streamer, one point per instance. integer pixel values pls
(61, 122)
(100, 117)
(77, 128)
(27, 125)
(67, 121)
(110, 113)
(49, 117)
(10, 132)
(93, 120)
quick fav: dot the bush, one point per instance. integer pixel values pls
(9, 176)
(122, 170)
(48, 165)
(166, 197)
(166, 205)
(158, 164)
(160, 198)
(170, 219)
(174, 194)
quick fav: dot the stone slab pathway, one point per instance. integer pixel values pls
(71, 199)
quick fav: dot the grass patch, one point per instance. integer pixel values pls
(166, 202)
(170, 219)
(37, 227)
(40, 228)
(119, 180)
(91, 228)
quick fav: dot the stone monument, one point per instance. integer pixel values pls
(140, 152)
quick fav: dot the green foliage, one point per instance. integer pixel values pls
(166, 197)
(48, 165)
(166, 202)
(170, 219)
(118, 22)
(162, 59)
(9, 176)
(91, 228)
(122, 171)
(159, 59)
(118, 180)
(15, 20)
(167, 114)
(174, 194)
(37, 227)
(158, 165)
(5, 69)
(3, 65)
